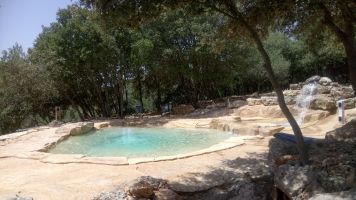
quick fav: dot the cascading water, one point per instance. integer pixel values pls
(303, 100)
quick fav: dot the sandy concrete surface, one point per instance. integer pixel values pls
(47, 181)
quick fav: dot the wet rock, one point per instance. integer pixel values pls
(312, 79)
(323, 102)
(292, 180)
(346, 133)
(166, 194)
(269, 100)
(325, 81)
(144, 186)
(254, 101)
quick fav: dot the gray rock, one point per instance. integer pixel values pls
(323, 102)
(269, 100)
(144, 186)
(292, 180)
(246, 191)
(278, 148)
(343, 195)
(325, 81)
(321, 89)
(342, 92)
(312, 79)
(254, 101)
(346, 133)
(166, 194)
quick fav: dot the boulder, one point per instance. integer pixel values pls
(350, 103)
(291, 92)
(346, 133)
(325, 81)
(166, 194)
(293, 180)
(254, 101)
(323, 102)
(279, 148)
(343, 195)
(269, 100)
(321, 89)
(342, 92)
(312, 79)
(182, 109)
(144, 186)
(82, 128)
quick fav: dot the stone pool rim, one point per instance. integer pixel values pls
(66, 131)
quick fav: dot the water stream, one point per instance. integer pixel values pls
(303, 101)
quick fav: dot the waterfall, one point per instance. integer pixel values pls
(303, 100)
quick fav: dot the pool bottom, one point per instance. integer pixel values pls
(132, 142)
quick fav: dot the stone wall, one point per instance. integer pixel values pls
(326, 94)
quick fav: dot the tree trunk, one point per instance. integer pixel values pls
(140, 93)
(272, 78)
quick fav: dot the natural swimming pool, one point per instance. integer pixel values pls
(140, 142)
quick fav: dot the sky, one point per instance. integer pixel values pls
(21, 20)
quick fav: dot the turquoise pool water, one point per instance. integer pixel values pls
(140, 142)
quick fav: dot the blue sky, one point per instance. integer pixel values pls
(21, 20)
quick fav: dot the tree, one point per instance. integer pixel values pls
(27, 95)
(339, 16)
(251, 18)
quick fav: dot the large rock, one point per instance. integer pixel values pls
(82, 128)
(166, 194)
(293, 180)
(254, 101)
(342, 92)
(323, 102)
(312, 79)
(279, 148)
(144, 186)
(269, 100)
(182, 109)
(325, 81)
(350, 103)
(343, 195)
(321, 89)
(346, 133)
